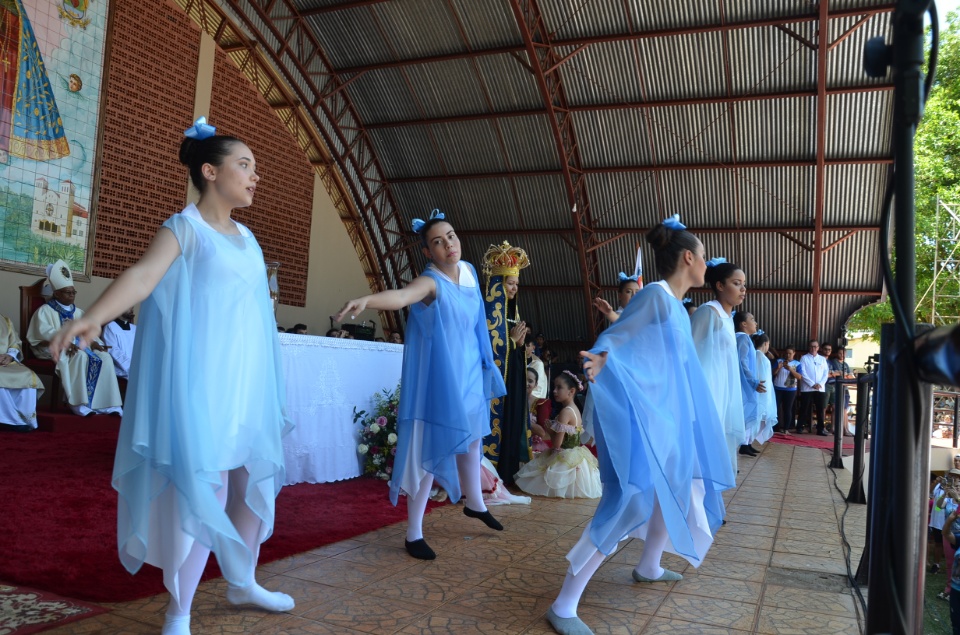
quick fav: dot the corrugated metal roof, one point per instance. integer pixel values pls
(755, 159)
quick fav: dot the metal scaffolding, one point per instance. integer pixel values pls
(944, 292)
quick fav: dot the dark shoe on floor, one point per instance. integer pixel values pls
(746, 450)
(486, 517)
(419, 549)
(823, 433)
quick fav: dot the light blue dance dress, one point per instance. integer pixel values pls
(447, 382)
(657, 432)
(749, 380)
(767, 411)
(716, 344)
(205, 396)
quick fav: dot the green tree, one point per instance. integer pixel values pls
(937, 176)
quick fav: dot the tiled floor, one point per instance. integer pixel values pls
(777, 566)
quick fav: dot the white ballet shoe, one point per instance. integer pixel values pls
(258, 596)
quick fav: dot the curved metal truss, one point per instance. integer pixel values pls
(310, 101)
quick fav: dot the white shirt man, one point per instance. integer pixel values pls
(813, 381)
(119, 336)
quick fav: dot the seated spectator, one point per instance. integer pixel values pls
(335, 333)
(88, 376)
(379, 339)
(119, 336)
(19, 386)
(534, 362)
(298, 329)
(280, 329)
(395, 338)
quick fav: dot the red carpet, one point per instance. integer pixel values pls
(59, 524)
(813, 441)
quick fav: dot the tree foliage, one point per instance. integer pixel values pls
(937, 177)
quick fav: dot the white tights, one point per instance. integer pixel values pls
(247, 524)
(468, 467)
(649, 566)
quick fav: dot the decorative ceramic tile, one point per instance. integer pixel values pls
(809, 563)
(633, 597)
(709, 611)
(107, 624)
(446, 622)
(604, 621)
(337, 547)
(752, 519)
(735, 527)
(822, 545)
(302, 626)
(455, 570)
(428, 593)
(742, 540)
(732, 570)
(339, 573)
(719, 588)
(842, 604)
(522, 581)
(776, 621)
(510, 609)
(366, 613)
(377, 555)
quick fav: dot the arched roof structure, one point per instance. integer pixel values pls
(569, 127)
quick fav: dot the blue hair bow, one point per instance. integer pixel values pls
(674, 223)
(622, 277)
(200, 130)
(759, 332)
(687, 301)
(419, 223)
(713, 262)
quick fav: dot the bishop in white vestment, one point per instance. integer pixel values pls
(19, 386)
(88, 376)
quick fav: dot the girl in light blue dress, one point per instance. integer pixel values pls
(657, 433)
(447, 382)
(716, 342)
(752, 387)
(199, 460)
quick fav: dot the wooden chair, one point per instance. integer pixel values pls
(31, 299)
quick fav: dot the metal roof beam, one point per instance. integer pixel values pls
(823, 45)
(674, 167)
(545, 62)
(666, 103)
(339, 7)
(621, 231)
(623, 37)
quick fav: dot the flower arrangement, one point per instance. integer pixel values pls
(378, 433)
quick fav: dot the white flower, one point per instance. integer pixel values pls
(391, 438)
(377, 460)
(374, 428)
(362, 448)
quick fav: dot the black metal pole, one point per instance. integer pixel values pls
(839, 419)
(856, 494)
(896, 572)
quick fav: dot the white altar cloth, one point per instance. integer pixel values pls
(326, 377)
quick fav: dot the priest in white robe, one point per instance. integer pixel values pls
(118, 336)
(88, 376)
(19, 386)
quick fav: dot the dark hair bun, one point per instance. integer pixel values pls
(188, 148)
(660, 236)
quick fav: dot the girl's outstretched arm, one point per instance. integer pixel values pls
(423, 288)
(133, 286)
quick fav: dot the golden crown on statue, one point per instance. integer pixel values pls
(504, 260)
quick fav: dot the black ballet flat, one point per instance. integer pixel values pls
(420, 549)
(486, 517)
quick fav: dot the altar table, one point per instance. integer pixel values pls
(326, 377)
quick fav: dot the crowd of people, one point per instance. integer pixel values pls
(669, 397)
